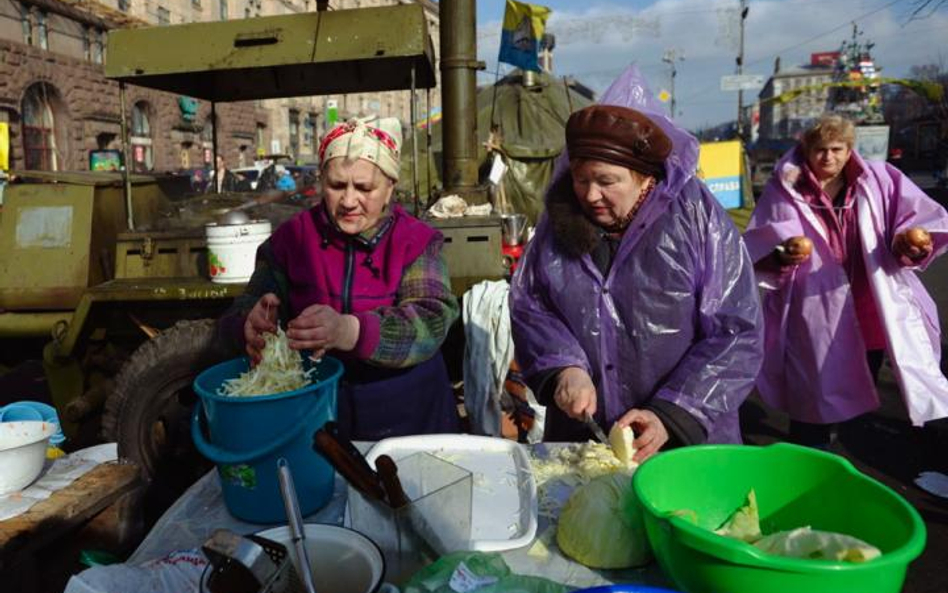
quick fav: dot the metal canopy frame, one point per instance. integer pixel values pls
(315, 53)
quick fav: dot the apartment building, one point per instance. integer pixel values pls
(58, 106)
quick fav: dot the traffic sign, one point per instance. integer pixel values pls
(742, 82)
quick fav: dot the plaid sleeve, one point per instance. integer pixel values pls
(412, 330)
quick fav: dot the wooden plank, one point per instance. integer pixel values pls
(65, 509)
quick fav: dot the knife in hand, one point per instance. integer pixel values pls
(597, 432)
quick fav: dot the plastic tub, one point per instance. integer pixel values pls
(232, 249)
(795, 486)
(22, 452)
(246, 436)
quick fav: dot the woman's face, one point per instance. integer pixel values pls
(606, 192)
(356, 194)
(827, 159)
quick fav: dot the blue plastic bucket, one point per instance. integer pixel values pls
(246, 436)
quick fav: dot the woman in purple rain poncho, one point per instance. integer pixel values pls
(857, 291)
(635, 302)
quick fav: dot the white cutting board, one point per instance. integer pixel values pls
(504, 498)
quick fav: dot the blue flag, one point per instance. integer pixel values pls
(523, 28)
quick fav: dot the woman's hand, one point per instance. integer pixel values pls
(320, 328)
(650, 433)
(575, 393)
(794, 251)
(912, 246)
(261, 319)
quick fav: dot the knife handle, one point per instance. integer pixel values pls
(348, 461)
(388, 474)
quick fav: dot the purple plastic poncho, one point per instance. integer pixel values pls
(676, 318)
(815, 368)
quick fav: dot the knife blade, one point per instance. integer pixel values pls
(597, 432)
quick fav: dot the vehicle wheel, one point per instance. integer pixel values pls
(148, 412)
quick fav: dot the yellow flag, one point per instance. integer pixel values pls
(523, 28)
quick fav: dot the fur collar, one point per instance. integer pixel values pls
(572, 231)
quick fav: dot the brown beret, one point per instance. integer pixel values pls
(620, 136)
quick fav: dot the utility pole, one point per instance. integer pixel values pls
(670, 56)
(740, 70)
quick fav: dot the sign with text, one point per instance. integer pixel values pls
(719, 166)
(742, 82)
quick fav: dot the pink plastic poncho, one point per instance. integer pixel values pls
(677, 317)
(815, 366)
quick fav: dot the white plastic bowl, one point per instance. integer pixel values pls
(22, 452)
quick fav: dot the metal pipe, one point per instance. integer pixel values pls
(126, 173)
(31, 325)
(414, 147)
(218, 182)
(459, 99)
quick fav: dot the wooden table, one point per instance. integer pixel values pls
(27, 541)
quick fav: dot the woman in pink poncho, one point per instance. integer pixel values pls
(830, 238)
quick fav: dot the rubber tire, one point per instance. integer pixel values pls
(148, 412)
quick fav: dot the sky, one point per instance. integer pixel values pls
(597, 39)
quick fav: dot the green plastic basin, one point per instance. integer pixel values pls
(795, 486)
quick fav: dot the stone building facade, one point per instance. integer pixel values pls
(59, 106)
(788, 120)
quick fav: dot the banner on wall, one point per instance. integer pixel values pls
(4, 145)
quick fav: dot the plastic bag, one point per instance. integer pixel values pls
(466, 572)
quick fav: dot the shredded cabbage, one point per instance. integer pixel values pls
(571, 466)
(280, 369)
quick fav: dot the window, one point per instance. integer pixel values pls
(223, 8)
(309, 131)
(294, 133)
(196, 4)
(207, 141)
(261, 140)
(93, 45)
(164, 16)
(26, 20)
(124, 5)
(140, 138)
(42, 32)
(39, 128)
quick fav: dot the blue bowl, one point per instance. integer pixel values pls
(625, 589)
(30, 410)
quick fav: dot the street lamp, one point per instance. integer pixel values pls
(740, 70)
(670, 57)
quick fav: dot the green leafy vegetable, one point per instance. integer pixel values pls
(602, 524)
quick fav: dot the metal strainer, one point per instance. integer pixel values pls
(248, 564)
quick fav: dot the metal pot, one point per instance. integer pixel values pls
(341, 560)
(512, 227)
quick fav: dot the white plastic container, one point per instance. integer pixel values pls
(22, 452)
(231, 249)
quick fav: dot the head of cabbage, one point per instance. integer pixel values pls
(602, 526)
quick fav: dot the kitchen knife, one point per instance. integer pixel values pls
(348, 461)
(597, 432)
